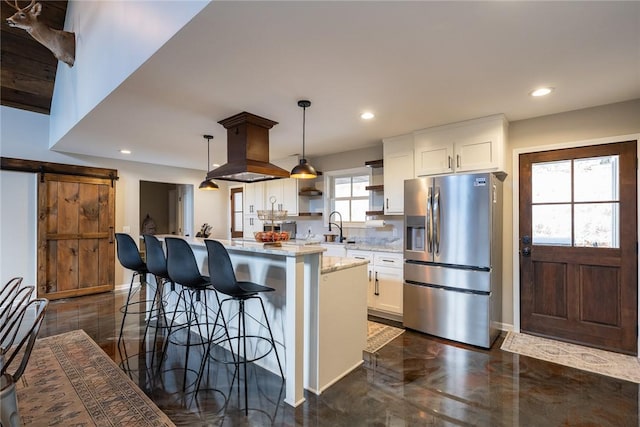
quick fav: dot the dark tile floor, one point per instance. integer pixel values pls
(414, 380)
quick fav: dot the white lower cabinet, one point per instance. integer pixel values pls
(384, 296)
(334, 250)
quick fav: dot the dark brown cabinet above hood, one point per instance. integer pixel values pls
(247, 150)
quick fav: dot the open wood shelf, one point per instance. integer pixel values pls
(374, 187)
(309, 213)
(380, 212)
(310, 193)
(374, 163)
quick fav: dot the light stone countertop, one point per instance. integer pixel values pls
(367, 247)
(334, 263)
(287, 249)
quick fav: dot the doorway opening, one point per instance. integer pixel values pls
(166, 208)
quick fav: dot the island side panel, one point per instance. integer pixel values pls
(340, 335)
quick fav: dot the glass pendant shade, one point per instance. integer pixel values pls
(208, 184)
(304, 170)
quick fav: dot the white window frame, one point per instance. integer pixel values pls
(329, 196)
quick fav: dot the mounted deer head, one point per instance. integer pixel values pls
(61, 43)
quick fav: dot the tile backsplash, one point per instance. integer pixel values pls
(389, 235)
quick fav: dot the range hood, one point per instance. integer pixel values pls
(247, 150)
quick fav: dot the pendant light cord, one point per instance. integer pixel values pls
(304, 126)
(208, 148)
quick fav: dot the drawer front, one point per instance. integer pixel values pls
(472, 280)
(458, 316)
(358, 254)
(387, 259)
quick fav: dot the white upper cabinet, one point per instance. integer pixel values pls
(253, 198)
(472, 145)
(285, 190)
(398, 166)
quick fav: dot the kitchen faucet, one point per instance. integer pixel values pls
(340, 237)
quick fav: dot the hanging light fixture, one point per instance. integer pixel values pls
(304, 170)
(208, 184)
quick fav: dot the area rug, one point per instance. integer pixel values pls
(575, 356)
(379, 335)
(70, 381)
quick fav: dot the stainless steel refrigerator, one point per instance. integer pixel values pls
(453, 257)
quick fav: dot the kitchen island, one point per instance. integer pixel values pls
(317, 313)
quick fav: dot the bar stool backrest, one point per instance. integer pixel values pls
(223, 278)
(156, 259)
(22, 334)
(181, 263)
(128, 253)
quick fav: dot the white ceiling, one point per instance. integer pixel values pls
(414, 64)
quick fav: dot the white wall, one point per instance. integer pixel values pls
(18, 231)
(598, 122)
(24, 135)
(129, 30)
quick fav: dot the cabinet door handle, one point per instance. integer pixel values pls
(377, 287)
(387, 260)
(387, 203)
(369, 275)
(359, 257)
(458, 160)
(449, 161)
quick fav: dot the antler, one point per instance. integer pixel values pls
(16, 7)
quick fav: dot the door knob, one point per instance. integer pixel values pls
(526, 251)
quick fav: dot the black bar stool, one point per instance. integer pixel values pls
(223, 279)
(129, 258)
(157, 265)
(183, 269)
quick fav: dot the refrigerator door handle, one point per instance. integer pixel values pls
(429, 222)
(436, 220)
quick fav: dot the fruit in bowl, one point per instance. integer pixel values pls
(271, 236)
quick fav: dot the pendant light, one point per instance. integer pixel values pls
(208, 184)
(304, 170)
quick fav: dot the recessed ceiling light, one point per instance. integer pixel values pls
(123, 151)
(367, 115)
(215, 165)
(542, 91)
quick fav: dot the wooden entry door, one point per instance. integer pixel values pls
(578, 232)
(237, 213)
(76, 218)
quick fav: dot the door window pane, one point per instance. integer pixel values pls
(596, 179)
(551, 224)
(237, 202)
(596, 225)
(237, 221)
(551, 182)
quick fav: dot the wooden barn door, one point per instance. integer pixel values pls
(76, 250)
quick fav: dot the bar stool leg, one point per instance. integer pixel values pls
(244, 356)
(273, 341)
